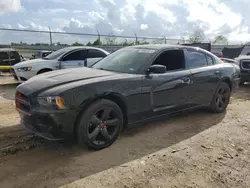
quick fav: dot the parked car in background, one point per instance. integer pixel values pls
(218, 54)
(8, 58)
(204, 45)
(40, 54)
(130, 85)
(227, 60)
(244, 63)
(70, 57)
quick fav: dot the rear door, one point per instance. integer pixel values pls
(94, 55)
(73, 59)
(205, 75)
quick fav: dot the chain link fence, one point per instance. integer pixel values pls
(28, 42)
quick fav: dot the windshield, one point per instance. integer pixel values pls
(56, 54)
(126, 60)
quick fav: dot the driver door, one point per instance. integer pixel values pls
(169, 91)
(73, 59)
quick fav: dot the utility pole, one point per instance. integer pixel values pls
(50, 37)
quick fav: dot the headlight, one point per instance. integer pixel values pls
(24, 69)
(52, 101)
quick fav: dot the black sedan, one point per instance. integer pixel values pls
(131, 85)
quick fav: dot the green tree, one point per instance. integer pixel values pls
(97, 42)
(89, 44)
(77, 44)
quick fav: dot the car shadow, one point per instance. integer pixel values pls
(53, 164)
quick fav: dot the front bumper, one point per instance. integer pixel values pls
(21, 77)
(51, 125)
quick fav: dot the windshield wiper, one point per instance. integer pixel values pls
(105, 69)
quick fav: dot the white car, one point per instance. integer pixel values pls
(69, 57)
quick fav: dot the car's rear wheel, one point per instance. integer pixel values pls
(221, 98)
(100, 124)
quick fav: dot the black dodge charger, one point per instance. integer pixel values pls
(131, 85)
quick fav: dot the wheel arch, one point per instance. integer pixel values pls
(44, 69)
(112, 96)
(228, 81)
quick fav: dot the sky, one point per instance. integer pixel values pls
(158, 18)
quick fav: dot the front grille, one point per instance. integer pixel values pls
(245, 65)
(22, 103)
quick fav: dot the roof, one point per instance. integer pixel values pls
(7, 49)
(164, 46)
(44, 51)
(84, 47)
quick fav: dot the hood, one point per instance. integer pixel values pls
(55, 78)
(232, 52)
(30, 62)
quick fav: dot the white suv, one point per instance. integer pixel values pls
(70, 57)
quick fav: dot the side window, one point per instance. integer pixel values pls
(196, 59)
(95, 54)
(4, 59)
(172, 59)
(217, 60)
(210, 60)
(74, 56)
(3, 55)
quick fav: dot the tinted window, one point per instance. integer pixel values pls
(126, 60)
(196, 59)
(172, 59)
(58, 53)
(3, 55)
(78, 55)
(209, 60)
(95, 54)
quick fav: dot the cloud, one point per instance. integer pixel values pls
(7, 6)
(158, 18)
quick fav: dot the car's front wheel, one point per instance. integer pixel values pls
(100, 124)
(221, 98)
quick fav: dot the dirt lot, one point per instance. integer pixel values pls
(28, 161)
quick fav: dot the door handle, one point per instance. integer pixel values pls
(217, 72)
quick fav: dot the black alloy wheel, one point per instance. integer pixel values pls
(221, 98)
(100, 124)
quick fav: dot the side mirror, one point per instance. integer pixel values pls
(157, 69)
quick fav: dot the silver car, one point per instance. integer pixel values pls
(70, 57)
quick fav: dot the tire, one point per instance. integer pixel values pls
(92, 122)
(43, 71)
(221, 98)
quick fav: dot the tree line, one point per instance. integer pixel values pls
(197, 36)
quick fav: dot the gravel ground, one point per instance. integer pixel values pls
(28, 161)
